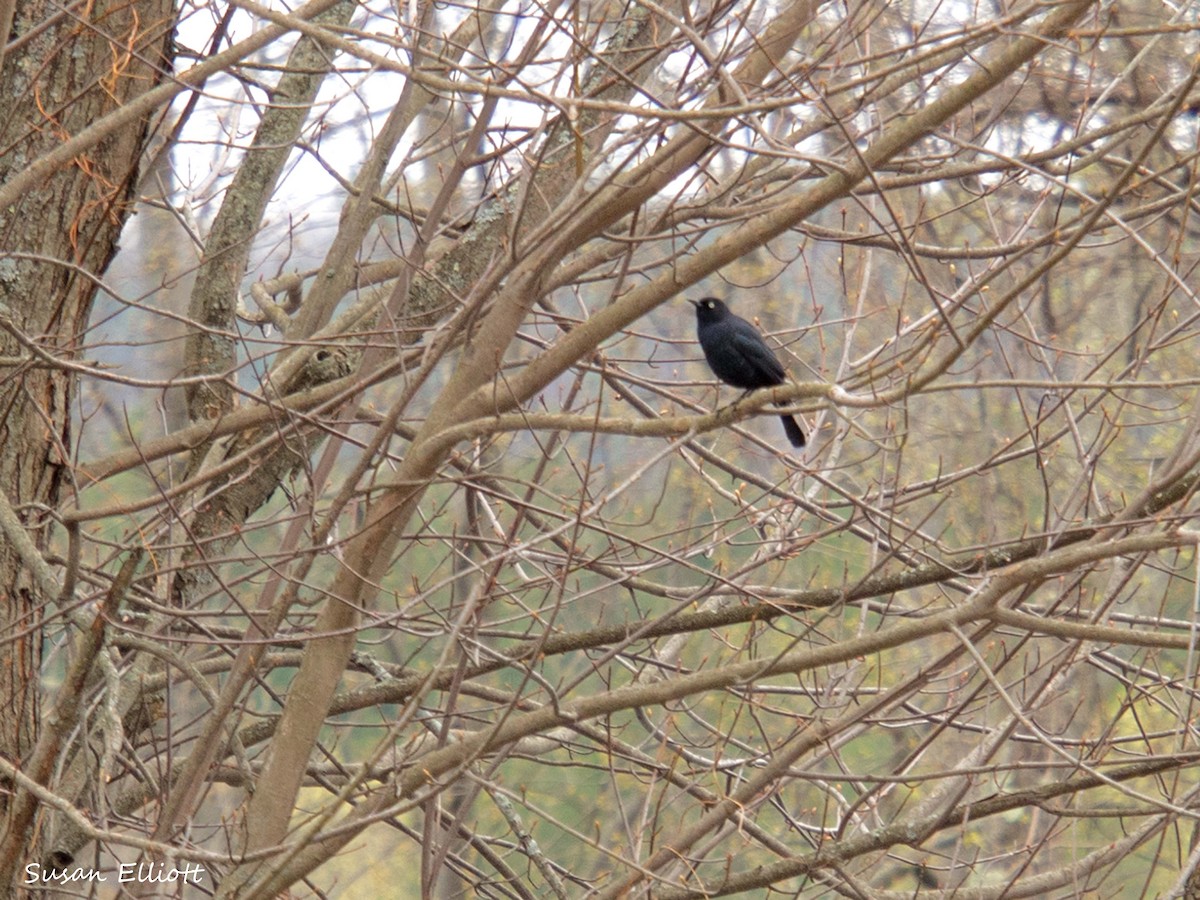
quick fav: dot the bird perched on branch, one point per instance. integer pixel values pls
(739, 356)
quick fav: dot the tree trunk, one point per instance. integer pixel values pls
(61, 71)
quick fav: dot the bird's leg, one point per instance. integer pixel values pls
(735, 401)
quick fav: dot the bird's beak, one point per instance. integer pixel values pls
(695, 303)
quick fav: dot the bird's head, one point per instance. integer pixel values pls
(709, 309)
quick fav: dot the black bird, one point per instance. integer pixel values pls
(739, 356)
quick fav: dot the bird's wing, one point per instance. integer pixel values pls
(757, 354)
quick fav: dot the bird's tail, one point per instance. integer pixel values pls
(795, 434)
